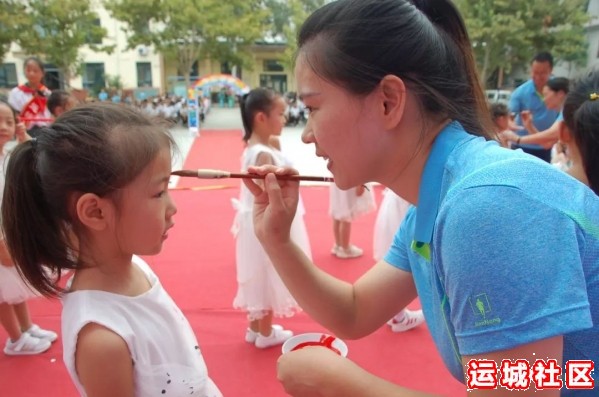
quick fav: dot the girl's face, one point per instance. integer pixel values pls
(553, 99)
(146, 209)
(345, 130)
(276, 117)
(7, 124)
(33, 73)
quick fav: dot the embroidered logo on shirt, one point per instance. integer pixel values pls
(481, 307)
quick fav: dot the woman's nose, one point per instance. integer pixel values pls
(307, 135)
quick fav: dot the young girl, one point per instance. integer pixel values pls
(344, 207)
(30, 98)
(395, 81)
(391, 213)
(260, 292)
(579, 134)
(93, 187)
(24, 337)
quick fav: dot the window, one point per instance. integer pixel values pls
(93, 77)
(273, 65)
(277, 82)
(144, 74)
(91, 38)
(8, 75)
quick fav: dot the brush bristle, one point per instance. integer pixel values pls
(185, 173)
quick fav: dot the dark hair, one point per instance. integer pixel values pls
(558, 84)
(97, 148)
(543, 56)
(581, 115)
(355, 43)
(498, 110)
(256, 101)
(37, 61)
(14, 112)
(57, 98)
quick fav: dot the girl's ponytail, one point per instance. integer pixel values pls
(36, 238)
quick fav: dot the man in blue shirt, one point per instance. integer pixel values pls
(529, 97)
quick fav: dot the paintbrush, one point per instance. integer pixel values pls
(218, 174)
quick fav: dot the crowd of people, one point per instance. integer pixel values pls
(500, 247)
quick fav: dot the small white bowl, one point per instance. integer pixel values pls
(314, 337)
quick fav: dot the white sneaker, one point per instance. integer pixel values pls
(250, 336)
(40, 333)
(334, 249)
(411, 319)
(278, 336)
(350, 252)
(26, 345)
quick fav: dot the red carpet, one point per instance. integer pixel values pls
(197, 267)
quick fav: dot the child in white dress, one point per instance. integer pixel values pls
(25, 338)
(344, 207)
(261, 292)
(391, 213)
(97, 197)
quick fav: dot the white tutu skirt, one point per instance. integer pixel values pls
(346, 205)
(13, 289)
(260, 289)
(391, 212)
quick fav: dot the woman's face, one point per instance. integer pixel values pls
(343, 127)
(553, 99)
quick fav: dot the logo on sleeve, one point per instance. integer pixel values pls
(481, 307)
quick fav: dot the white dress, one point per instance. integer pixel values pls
(346, 205)
(391, 212)
(260, 289)
(13, 289)
(167, 359)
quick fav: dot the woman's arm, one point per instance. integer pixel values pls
(103, 363)
(350, 311)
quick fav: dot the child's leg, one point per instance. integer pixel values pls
(265, 324)
(22, 313)
(271, 335)
(344, 234)
(346, 250)
(336, 225)
(9, 321)
(24, 319)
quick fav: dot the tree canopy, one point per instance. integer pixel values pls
(506, 33)
(57, 29)
(182, 29)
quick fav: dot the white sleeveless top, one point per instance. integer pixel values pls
(163, 347)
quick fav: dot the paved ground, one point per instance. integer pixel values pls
(301, 155)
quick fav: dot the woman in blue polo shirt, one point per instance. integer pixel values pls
(501, 248)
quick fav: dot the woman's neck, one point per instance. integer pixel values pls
(576, 168)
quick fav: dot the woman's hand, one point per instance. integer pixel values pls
(274, 204)
(311, 371)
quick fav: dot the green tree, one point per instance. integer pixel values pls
(299, 10)
(182, 29)
(12, 15)
(506, 33)
(57, 29)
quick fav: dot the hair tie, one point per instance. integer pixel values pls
(593, 96)
(33, 143)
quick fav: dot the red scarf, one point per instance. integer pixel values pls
(36, 107)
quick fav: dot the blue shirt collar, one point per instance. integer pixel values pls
(429, 193)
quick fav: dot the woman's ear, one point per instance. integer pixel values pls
(92, 211)
(393, 96)
(565, 136)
